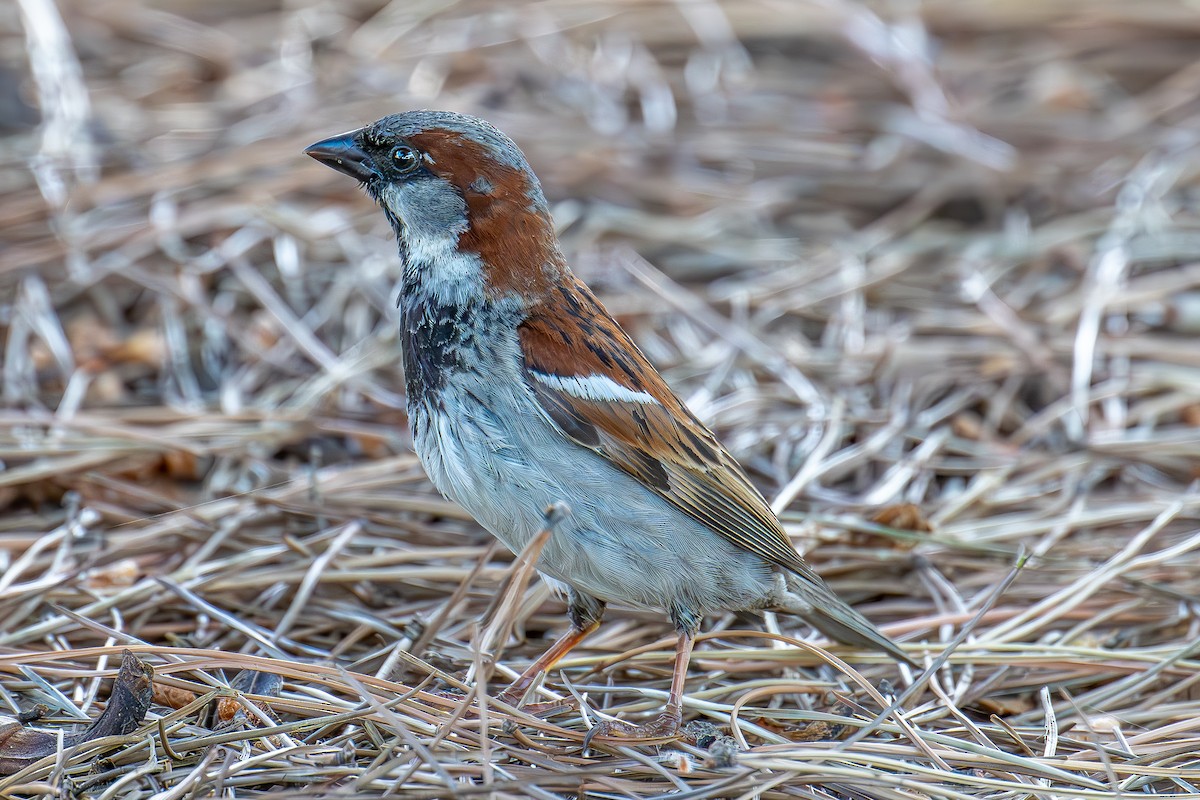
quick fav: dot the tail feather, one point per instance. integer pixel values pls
(816, 604)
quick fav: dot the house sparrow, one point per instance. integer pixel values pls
(523, 392)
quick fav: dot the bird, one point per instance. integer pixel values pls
(523, 392)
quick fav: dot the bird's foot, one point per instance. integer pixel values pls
(664, 728)
(509, 697)
(517, 700)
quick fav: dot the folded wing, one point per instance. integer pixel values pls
(605, 395)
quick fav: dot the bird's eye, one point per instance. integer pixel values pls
(405, 159)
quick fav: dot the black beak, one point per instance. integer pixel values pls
(343, 154)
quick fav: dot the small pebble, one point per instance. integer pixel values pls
(724, 752)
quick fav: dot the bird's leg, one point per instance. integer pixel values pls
(665, 725)
(515, 693)
(585, 613)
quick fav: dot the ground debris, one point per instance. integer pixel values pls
(127, 705)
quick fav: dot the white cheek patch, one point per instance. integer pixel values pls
(594, 387)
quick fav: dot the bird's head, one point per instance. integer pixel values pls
(456, 191)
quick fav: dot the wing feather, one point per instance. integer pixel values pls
(597, 388)
(646, 431)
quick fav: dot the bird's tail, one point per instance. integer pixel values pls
(815, 603)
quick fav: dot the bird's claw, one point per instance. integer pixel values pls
(543, 710)
(535, 709)
(664, 728)
(510, 698)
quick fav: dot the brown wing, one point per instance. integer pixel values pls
(638, 424)
(602, 393)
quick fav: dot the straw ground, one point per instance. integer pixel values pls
(932, 271)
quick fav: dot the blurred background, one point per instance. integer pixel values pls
(930, 269)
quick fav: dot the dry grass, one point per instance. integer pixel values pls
(946, 255)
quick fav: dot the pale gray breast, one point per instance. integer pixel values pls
(495, 454)
(487, 445)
